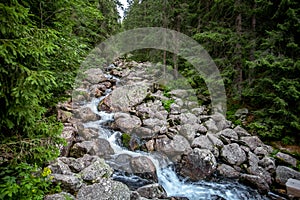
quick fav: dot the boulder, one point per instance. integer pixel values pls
(76, 165)
(69, 183)
(94, 76)
(152, 191)
(124, 98)
(286, 159)
(59, 167)
(227, 135)
(261, 172)
(88, 133)
(268, 163)
(283, 173)
(104, 190)
(215, 140)
(173, 148)
(59, 196)
(198, 164)
(203, 142)
(96, 171)
(256, 182)
(233, 154)
(126, 122)
(211, 126)
(85, 114)
(228, 171)
(143, 167)
(241, 131)
(68, 134)
(253, 159)
(188, 118)
(252, 142)
(293, 188)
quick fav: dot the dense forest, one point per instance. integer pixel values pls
(41, 46)
(253, 43)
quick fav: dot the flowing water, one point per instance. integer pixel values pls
(170, 181)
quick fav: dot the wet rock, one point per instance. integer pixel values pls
(198, 164)
(252, 142)
(286, 159)
(69, 183)
(256, 182)
(152, 191)
(228, 171)
(283, 173)
(104, 190)
(172, 147)
(143, 167)
(102, 148)
(86, 114)
(88, 133)
(96, 171)
(121, 163)
(127, 122)
(233, 154)
(59, 196)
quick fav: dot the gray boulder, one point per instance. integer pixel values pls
(143, 167)
(106, 189)
(96, 171)
(283, 173)
(233, 154)
(256, 182)
(126, 122)
(286, 159)
(69, 183)
(59, 196)
(85, 114)
(252, 142)
(228, 171)
(198, 164)
(94, 76)
(152, 191)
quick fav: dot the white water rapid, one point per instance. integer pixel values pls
(173, 185)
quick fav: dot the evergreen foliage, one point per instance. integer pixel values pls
(254, 44)
(41, 46)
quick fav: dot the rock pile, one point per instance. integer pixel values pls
(156, 120)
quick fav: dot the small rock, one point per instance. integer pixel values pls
(268, 163)
(293, 187)
(241, 131)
